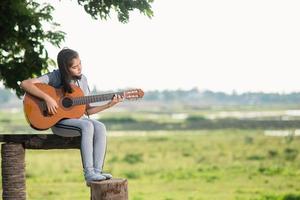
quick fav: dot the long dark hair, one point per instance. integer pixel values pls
(64, 61)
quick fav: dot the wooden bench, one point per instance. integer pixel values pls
(13, 166)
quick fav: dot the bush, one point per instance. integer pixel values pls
(291, 197)
(131, 175)
(195, 118)
(272, 153)
(133, 158)
(290, 154)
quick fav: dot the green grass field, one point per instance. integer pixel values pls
(168, 165)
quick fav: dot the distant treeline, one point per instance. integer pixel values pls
(207, 97)
(220, 98)
(198, 123)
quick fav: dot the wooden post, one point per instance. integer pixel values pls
(13, 171)
(113, 189)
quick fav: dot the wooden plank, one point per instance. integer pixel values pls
(46, 141)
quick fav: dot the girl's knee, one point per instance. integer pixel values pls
(87, 126)
(100, 126)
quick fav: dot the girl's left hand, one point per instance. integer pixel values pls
(116, 99)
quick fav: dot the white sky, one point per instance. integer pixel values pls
(220, 45)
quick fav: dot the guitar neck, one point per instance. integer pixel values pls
(94, 98)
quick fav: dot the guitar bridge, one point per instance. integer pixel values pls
(43, 108)
(45, 113)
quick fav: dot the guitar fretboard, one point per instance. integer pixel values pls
(94, 98)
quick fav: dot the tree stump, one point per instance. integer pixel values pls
(13, 172)
(113, 189)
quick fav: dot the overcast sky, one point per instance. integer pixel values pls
(220, 45)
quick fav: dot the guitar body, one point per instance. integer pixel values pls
(36, 111)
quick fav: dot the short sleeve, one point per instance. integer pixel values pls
(44, 78)
(52, 78)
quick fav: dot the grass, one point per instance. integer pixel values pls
(178, 165)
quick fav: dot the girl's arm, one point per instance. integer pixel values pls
(28, 86)
(96, 109)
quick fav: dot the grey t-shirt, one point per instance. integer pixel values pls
(54, 79)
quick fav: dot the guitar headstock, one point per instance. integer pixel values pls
(133, 94)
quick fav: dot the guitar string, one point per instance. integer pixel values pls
(84, 99)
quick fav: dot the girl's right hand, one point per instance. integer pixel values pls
(51, 105)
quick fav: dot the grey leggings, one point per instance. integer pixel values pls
(93, 139)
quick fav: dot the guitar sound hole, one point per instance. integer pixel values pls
(67, 102)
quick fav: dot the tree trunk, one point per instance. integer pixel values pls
(13, 172)
(113, 189)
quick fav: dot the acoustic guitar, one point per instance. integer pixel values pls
(70, 105)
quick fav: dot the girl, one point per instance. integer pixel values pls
(92, 132)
